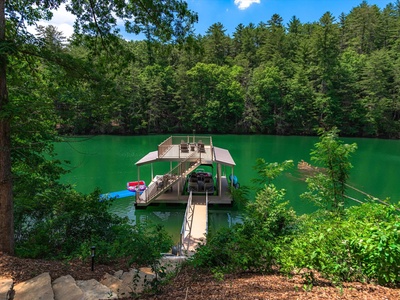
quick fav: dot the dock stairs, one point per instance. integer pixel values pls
(178, 173)
(112, 286)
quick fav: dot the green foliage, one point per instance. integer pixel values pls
(266, 78)
(66, 224)
(269, 171)
(252, 244)
(360, 246)
(327, 188)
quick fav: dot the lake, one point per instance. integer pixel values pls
(108, 162)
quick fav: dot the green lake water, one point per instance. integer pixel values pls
(108, 162)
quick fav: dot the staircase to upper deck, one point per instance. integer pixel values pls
(169, 179)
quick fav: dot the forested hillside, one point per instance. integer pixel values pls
(277, 77)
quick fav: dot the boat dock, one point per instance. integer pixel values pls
(187, 153)
(188, 182)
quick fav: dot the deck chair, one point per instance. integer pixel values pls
(160, 185)
(208, 184)
(193, 186)
(209, 187)
(184, 147)
(200, 146)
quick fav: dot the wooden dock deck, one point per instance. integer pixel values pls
(175, 197)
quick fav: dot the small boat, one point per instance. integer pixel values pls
(200, 182)
(134, 186)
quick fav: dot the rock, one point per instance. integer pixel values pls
(170, 262)
(38, 288)
(118, 274)
(6, 286)
(136, 281)
(117, 285)
(94, 290)
(131, 281)
(65, 288)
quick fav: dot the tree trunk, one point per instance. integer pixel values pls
(6, 199)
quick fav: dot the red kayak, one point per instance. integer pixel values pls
(133, 186)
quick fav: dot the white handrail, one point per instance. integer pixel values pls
(186, 225)
(207, 213)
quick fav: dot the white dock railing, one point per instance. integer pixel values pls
(186, 227)
(190, 237)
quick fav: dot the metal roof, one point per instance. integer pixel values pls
(223, 156)
(148, 158)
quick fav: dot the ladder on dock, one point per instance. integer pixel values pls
(152, 191)
(195, 225)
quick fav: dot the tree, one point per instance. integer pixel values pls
(216, 44)
(274, 46)
(379, 89)
(327, 188)
(216, 98)
(362, 28)
(6, 203)
(167, 19)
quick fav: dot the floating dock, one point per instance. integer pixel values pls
(187, 153)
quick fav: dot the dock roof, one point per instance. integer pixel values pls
(170, 150)
(223, 156)
(148, 158)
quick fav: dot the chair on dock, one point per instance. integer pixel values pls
(193, 184)
(159, 184)
(200, 146)
(184, 147)
(208, 184)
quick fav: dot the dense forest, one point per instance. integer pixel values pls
(270, 78)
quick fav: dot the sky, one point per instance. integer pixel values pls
(234, 12)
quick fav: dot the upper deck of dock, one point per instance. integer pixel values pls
(188, 148)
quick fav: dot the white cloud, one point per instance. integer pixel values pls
(243, 4)
(62, 19)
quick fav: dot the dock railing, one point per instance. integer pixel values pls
(207, 214)
(186, 227)
(177, 139)
(164, 146)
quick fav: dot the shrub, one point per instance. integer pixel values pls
(71, 223)
(250, 245)
(362, 245)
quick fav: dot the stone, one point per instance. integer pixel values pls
(65, 288)
(94, 290)
(118, 274)
(6, 287)
(136, 281)
(117, 286)
(38, 288)
(170, 262)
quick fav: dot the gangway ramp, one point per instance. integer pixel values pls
(195, 225)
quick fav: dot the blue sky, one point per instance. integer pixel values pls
(233, 12)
